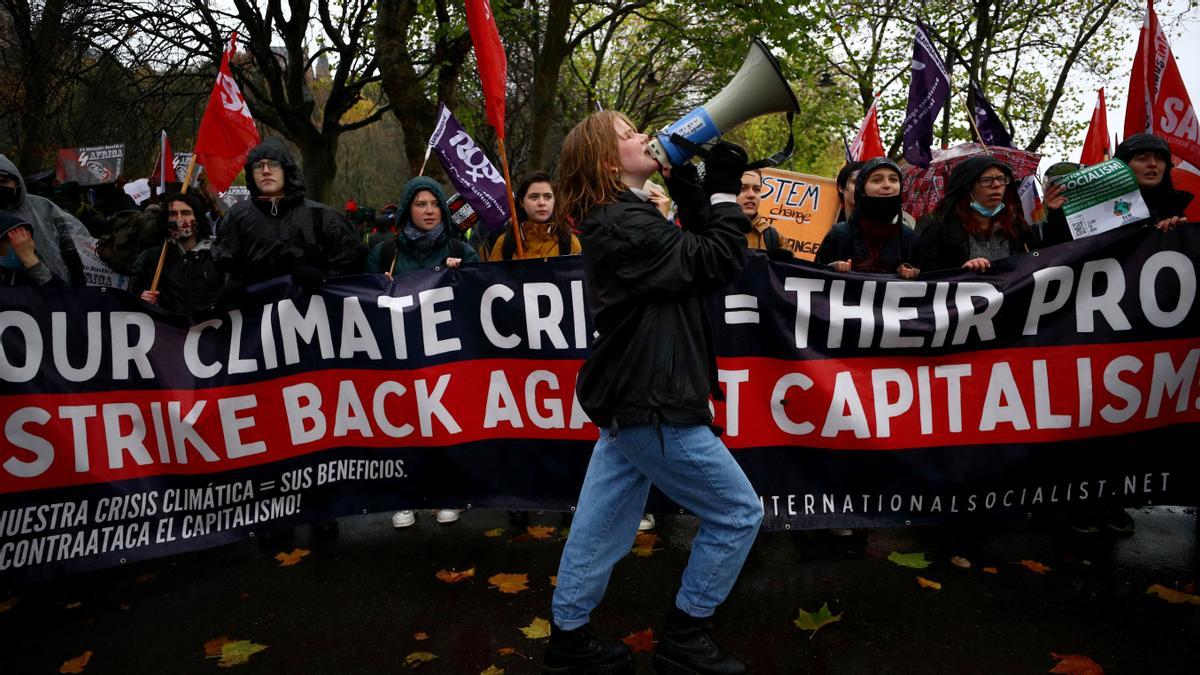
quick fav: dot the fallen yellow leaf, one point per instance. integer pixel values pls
(77, 664)
(643, 544)
(455, 577)
(510, 583)
(507, 651)
(494, 533)
(538, 629)
(959, 561)
(991, 570)
(1173, 596)
(926, 583)
(238, 653)
(1035, 566)
(417, 658)
(1075, 664)
(420, 636)
(492, 670)
(289, 559)
(212, 648)
(7, 603)
(554, 581)
(540, 531)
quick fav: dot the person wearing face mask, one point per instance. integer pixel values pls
(190, 280)
(873, 239)
(542, 234)
(53, 230)
(978, 222)
(19, 261)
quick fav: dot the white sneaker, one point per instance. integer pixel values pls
(446, 516)
(403, 519)
(647, 523)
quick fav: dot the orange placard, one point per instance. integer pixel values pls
(801, 207)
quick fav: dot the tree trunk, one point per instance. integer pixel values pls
(319, 157)
(544, 106)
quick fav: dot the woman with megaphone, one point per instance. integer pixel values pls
(646, 385)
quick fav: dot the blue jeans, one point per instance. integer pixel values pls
(692, 467)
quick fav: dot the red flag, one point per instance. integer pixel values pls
(227, 132)
(1174, 116)
(164, 168)
(1095, 146)
(492, 63)
(1143, 80)
(868, 144)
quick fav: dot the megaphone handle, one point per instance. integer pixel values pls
(783, 155)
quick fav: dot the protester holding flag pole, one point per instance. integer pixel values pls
(493, 75)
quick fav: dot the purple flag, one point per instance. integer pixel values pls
(470, 170)
(927, 94)
(991, 128)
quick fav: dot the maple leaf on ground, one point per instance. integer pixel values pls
(641, 641)
(816, 621)
(494, 533)
(540, 531)
(510, 583)
(492, 670)
(420, 636)
(289, 559)
(1172, 596)
(1075, 664)
(643, 544)
(991, 570)
(926, 583)
(539, 628)
(238, 653)
(1035, 566)
(959, 561)
(455, 577)
(417, 658)
(77, 664)
(917, 561)
(212, 648)
(8, 603)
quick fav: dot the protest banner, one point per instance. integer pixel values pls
(1100, 198)
(92, 165)
(1064, 379)
(801, 207)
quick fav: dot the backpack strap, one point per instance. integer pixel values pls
(771, 238)
(564, 241)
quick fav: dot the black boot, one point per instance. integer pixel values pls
(686, 648)
(580, 652)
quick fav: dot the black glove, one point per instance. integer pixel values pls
(685, 189)
(723, 168)
(232, 294)
(307, 277)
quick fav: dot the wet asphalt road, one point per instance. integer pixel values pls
(358, 603)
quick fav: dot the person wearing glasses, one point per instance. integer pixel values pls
(279, 232)
(978, 222)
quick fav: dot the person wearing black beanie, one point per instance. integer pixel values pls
(978, 222)
(1149, 157)
(874, 238)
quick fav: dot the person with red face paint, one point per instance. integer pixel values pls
(190, 281)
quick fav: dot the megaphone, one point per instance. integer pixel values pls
(757, 89)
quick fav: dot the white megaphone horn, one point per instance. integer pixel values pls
(757, 89)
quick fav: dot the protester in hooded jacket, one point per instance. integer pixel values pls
(20, 264)
(54, 230)
(542, 235)
(425, 239)
(978, 222)
(874, 238)
(190, 280)
(278, 231)
(847, 180)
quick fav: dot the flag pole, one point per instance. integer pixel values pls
(428, 148)
(975, 127)
(512, 204)
(162, 255)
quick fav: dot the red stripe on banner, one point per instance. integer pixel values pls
(1025, 395)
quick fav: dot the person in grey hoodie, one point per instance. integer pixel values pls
(54, 230)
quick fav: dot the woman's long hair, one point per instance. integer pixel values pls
(589, 167)
(557, 226)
